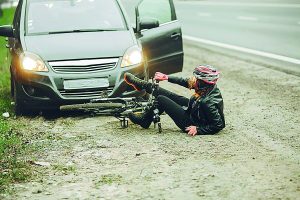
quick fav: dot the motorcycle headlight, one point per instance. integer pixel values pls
(132, 56)
(32, 62)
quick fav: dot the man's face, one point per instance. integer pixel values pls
(199, 85)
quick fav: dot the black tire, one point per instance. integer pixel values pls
(19, 105)
(11, 88)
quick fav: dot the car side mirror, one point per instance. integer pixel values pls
(142, 23)
(6, 31)
(148, 23)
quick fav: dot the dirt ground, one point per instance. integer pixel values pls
(256, 156)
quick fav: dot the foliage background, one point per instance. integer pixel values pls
(13, 167)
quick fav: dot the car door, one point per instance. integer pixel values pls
(162, 46)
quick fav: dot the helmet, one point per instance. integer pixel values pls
(206, 73)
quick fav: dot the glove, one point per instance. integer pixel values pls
(160, 76)
(192, 130)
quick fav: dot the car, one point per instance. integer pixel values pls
(72, 51)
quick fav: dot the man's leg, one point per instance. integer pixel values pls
(140, 84)
(168, 101)
(181, 100)
(175, 111)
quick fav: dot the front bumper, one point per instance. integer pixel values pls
(45, 90)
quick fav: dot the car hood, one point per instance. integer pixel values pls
(81, 45)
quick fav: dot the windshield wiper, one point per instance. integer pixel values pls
(95, 30)
(82, 30)
(59, 32)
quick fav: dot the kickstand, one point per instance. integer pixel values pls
(158, 126)
(123, 122)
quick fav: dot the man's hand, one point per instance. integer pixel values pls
(160, 76)
(192, 130)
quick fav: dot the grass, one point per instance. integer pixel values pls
(13, 168)
(65, 169)
(4, 67)
(109, 179)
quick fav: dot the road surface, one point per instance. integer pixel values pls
(257, 155)
(265, 29)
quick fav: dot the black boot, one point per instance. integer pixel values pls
(137, 83)
(143, 119)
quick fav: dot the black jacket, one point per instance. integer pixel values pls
(205, 112)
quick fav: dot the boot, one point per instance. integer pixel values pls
(143, 119)
(137, 83)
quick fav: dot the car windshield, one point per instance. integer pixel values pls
(59, 16)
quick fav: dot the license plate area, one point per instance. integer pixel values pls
(86, 83)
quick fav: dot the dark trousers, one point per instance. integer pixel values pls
(172, 104)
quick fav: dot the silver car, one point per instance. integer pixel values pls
(71, 51)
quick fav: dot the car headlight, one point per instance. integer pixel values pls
(32, 62)
(132, 56)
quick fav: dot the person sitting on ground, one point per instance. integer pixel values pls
(200, 115)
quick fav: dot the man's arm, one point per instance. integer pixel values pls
(178, 80)
(172, 79)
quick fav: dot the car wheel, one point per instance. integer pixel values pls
(11, 87)
(19, 106)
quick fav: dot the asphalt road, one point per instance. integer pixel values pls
(266, 29)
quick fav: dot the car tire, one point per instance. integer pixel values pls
(11, 88)
(19, 105)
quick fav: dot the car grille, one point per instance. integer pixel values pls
(83, 66)
(87, 94)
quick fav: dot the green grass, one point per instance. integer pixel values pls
(13, 168)
(109, 179)
(4, 67)
(64, 168)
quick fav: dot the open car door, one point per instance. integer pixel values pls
(162, 44)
